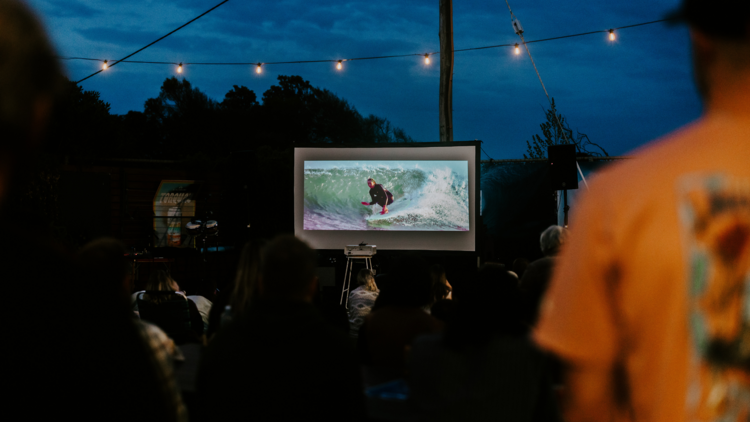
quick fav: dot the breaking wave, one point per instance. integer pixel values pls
(435, 199)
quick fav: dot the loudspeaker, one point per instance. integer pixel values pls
(563, 173)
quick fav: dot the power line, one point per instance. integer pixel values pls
(336, 60)
(519, 32)
(154, 42)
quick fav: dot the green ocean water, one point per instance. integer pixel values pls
(433, 199)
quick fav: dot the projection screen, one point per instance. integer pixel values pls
(398, 197)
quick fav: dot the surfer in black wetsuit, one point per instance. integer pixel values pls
(379, 195)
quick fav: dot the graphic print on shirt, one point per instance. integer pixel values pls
(715, 213)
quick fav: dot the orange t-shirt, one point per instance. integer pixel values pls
(650, 300)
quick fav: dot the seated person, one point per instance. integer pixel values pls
(397, 317)
(441, 288)
(235, 299)
(165, 311)
(361, 300)
(534, 282)
(483, 367)
(280, 360)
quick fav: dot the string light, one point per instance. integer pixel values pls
(339, 63)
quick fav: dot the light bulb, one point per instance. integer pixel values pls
(426, 59)
(179, 68)
(257, 69)
(518, 50)
(338, 65)
(611, 34)
(105, 65)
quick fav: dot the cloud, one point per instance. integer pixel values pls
(68, 9)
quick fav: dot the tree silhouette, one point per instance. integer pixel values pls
(186, 120)
(83, 125)
(289, 110)
(182, 122)
(296, 111)
(239, 98)
(556, 134)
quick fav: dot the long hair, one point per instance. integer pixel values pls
(246, 281)
(365, 279)
(159, 281)
(440, 289)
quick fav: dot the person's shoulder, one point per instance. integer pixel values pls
(430, 340)
(544, 262)
(664, 157)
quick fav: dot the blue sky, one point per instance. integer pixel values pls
(621, 94)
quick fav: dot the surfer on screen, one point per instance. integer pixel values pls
(379, 195)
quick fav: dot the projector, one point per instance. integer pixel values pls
(360, 250)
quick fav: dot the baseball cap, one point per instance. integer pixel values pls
(720, 18)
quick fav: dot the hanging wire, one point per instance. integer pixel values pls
(154, 42)
(554, 112)
(336, 60)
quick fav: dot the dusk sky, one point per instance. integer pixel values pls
(621, 94)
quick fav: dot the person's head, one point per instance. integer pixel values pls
(409, 284)
(288, 270)
(246, 280)
(160, 281)
(367, 280)
(106, 268)
(490, 305)
(552, 239)
(440, 289)
(496, 290)
(371, 183)
(437, 272)
(720, 35)
(30, 80)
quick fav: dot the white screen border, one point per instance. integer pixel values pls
(389, 240)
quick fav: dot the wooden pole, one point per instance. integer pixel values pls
(446, 71)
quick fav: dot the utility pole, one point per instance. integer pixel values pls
(446, 71)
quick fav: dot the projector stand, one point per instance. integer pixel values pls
(348, 276)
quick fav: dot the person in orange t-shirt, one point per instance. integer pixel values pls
(649, 305)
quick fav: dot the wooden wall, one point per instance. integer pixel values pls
(131, 195)
(129, 213)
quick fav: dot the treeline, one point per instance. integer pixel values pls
(182, 122)
(245, 141)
